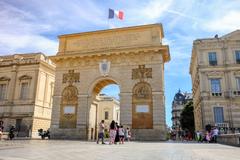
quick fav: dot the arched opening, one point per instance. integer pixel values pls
(105, 105)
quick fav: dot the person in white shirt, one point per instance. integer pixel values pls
(215, 134)
(121, 132)
(101, 132)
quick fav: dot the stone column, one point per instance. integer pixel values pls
(12, 84)
(126, 109)
(56, 112)
(82, 115)
(158, 111)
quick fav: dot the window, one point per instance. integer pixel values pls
(212, 57)
(237, 53)
(24, 91)
(215, 86)
(18, 124)
(106, 115)
(2, 91)
(238, 83)
(218, 114)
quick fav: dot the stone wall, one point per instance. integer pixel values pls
(39, 123)
(229, 139)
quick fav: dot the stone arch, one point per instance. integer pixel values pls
(93, 109)
(101, 82)
(142, 107)
(68, 111)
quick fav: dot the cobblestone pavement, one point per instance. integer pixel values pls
(80, 150)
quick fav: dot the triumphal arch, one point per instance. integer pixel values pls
(133, 58)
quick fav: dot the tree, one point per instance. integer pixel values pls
(187, 117)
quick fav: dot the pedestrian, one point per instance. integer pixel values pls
(214, 134)
(117, 134)
(121, 132)
(101, 132)
(207, 137)
(128, 134)
(11, 133)
(1, 133)
(112, 131)
(198, 136)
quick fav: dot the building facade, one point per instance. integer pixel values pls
(103, 108)
(215, 73)
(180, 99)
(26, 89)
(133, 58)
(109, 109)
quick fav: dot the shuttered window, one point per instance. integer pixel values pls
(212, 57)
(218, 114)
(237, 54)
(215, 85)
(3, 88)
(106, 115)
(24, 91)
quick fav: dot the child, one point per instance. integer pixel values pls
(128, 134)
(121, 134)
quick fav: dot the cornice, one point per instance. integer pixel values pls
(164, 49)
(159, 25)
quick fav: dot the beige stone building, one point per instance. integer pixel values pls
(103, 108)
(133, 58)
(215, 72)
(109, 109)
(26, 89)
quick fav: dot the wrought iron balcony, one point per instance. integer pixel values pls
(222, 125)
(216, 94)
(236, 93)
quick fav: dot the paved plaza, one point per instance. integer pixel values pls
(71, 150)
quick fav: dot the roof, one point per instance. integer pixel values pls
(216, 37)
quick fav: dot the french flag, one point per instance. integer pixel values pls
(118, 14)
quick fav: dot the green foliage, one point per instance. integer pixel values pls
(106, 134)
(187, 117)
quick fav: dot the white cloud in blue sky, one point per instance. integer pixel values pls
(33, 26)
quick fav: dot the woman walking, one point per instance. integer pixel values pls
(112, 130)
(117, 134)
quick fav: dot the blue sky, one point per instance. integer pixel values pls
(33, 26)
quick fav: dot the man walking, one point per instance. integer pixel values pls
(101, 132)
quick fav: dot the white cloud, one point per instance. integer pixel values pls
(11, 43)
(25, 27)
(229, 22)
(155, 8)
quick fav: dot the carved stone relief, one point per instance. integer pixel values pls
(142, 108)
(25, 77)
(142, 91)
(4, 79)
(71, 77)
(141, 73)
(69, 107)
(214, 74)
(237, 73)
